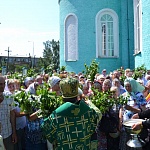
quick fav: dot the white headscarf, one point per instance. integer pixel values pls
(54, 80)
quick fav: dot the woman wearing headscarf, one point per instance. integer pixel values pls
(28, 81)
(136, 103)
(116, 83)
(54, 83)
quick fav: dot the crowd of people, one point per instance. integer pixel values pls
(77, 124)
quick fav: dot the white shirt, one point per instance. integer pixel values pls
(5, 107)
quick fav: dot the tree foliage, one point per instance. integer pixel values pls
(50, 60)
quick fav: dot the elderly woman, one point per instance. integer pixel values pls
(116, 82)
(136, 103)
(54, 83)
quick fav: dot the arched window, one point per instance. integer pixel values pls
(107, 34)
(71, 38)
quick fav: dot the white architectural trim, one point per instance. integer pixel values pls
(137, 34)
(115, 32)
(65, 38)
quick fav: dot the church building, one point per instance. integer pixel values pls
(109, 32)
(142, 33)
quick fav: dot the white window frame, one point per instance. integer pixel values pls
(71, 42)
(99, 44)
(137, 4)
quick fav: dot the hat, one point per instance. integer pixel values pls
(69, 87)
(54, 80)
(104, 70)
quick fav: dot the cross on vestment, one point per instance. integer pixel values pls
(76, 131)
(75, 111)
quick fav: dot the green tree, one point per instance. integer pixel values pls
(50, 60)
(55, 58)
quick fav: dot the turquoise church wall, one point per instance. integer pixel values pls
(86, 11)
(144, 56)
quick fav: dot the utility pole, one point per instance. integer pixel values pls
(7, 59)
(29, 61)
(32, 58)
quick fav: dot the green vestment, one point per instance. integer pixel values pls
(71, 125)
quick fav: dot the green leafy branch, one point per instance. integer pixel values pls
(27, 102)
(106, 100)
(139, 72)
(92, 70)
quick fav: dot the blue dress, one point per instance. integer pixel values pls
(135, 100)
(34, 138)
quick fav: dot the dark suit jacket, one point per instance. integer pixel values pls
(143, 115)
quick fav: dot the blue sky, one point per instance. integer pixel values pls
(27, 20)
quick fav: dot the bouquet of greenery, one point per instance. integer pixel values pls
(49, 101)
(28, 103)
(106, 100)
(45, 100)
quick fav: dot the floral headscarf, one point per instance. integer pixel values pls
(136, 87)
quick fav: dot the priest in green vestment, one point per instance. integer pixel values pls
(71, 125)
